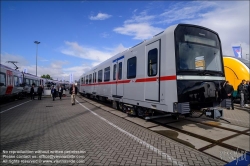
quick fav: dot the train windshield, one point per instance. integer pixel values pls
(198, 51)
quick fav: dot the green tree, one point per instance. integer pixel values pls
(47, 77)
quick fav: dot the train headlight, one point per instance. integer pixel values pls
(175, 107)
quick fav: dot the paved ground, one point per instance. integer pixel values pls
(55, 131)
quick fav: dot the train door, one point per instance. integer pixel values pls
(114, 79)
(94, 81)
(117, 88)
(9, 82)
(152, 84)
(120, 76)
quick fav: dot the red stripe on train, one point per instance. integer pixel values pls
(163, 78)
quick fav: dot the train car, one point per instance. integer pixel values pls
(236, 70)
(15, 84)
(10, 83)
(177, 70)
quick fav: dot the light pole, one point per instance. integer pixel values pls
(36, 42)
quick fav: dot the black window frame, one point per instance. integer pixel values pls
(87, 79)
(120, 71)
(151, 75)
(130, 76)
(100, 72)
(4, 78)
(107, 74)
(114, 72)
(90, 78)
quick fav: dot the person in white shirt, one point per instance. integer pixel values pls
(73, 91)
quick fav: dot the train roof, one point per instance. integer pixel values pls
(1, 65)
(245, 61)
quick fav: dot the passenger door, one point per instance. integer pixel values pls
(94, 82)
(120, 77)
(9, 82)
(152, 83)
(114, 79)
(117, 87)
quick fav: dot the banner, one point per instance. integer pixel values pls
(237, 51)
(71, 80)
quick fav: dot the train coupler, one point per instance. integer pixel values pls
(214, 113)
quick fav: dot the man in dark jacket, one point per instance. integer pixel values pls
(60, 91)
(73, 91)
(229, 91)
(53, 92)
(39, 92)
(241, 91)
(32, 93)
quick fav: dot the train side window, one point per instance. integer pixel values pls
(120, 71)
(20, 79)
(83, 80)
(16, 81)
(94, 77)
(114, 72)
(90, 78)
(152, 62)
(106, 74)
(131, 68)
(27, 81)
(87, 79)
(3, 79)
(100, 76)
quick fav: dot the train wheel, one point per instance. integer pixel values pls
(114, 105)
(118, 106)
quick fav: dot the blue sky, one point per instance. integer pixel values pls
(75, 36)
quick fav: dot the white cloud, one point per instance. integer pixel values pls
(100, 16)
(55, 69)
(231, 22)
(74, 49)
(96, 56)
(185, 11)
(8, 57)
(140, 31)
(105, 35)
(142, 18)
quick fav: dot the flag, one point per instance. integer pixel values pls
(71, 78)
(237, 51)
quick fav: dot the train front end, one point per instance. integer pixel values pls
(199, 67)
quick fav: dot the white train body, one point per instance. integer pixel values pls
(149, 75)
(16, 84)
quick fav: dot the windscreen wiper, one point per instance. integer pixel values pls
(208, 72)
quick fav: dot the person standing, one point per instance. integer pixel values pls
(229, 90)
(60, 91)
(241, 90)
(39, 92)
(73, 91)
(32, 92)
(53, 92)
(246, 93)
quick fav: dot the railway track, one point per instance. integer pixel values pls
(209, 123)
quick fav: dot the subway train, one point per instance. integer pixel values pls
(175, 71)
(236, 70)
(15, 84)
